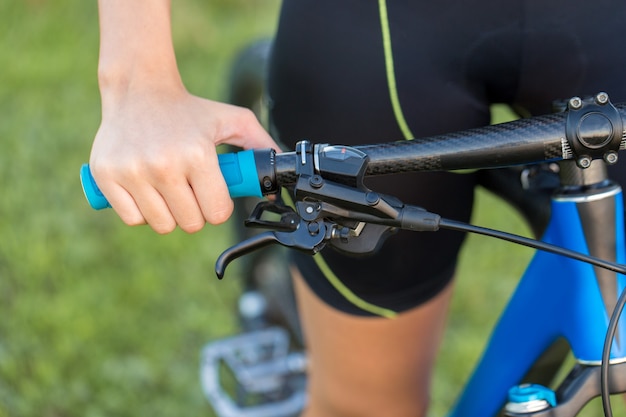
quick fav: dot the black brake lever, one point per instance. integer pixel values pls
(307, 236)
(242, 248)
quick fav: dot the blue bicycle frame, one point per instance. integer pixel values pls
(556, 298)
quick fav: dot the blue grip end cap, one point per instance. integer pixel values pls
(94, 196)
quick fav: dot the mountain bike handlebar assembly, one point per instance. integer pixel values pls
(333, 206)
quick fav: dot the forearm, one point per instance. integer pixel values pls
(136, 47)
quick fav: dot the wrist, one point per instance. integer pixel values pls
(124, 75)
(118, 81)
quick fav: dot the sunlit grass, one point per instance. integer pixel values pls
(97, 318)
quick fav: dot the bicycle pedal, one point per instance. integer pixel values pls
(254, 375)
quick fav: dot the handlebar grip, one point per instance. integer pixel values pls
(239, 171)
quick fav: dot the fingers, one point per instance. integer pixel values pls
(158, 164)
(211, 193)
(166, 201)
(136, 202)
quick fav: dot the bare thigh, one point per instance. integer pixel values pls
(363, 366)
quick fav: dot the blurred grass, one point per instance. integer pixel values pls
(97, 318)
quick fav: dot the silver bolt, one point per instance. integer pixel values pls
(575, 103)
(610, 157)
(602, 98)
(584, 162)
(309, 209)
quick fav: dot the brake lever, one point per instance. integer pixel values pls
(307, 236)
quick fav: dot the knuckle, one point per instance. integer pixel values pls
(157, 167)
(196, 157)
(248, 114)
(132, 219)
(248, 118)
(101, 171)
(220, 214)
(163, 228)
(192, 227)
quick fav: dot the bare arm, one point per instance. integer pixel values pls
(154, 155)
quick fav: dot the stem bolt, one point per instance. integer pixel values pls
(610, 157)
(584, 162)
(602, 98)
(575, 103)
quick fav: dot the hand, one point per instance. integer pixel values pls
(154, 156)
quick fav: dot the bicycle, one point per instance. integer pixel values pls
(584, 238)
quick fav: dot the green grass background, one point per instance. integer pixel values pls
(100, 319)
(96, 318)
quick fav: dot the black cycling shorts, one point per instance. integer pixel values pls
(329, 83)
